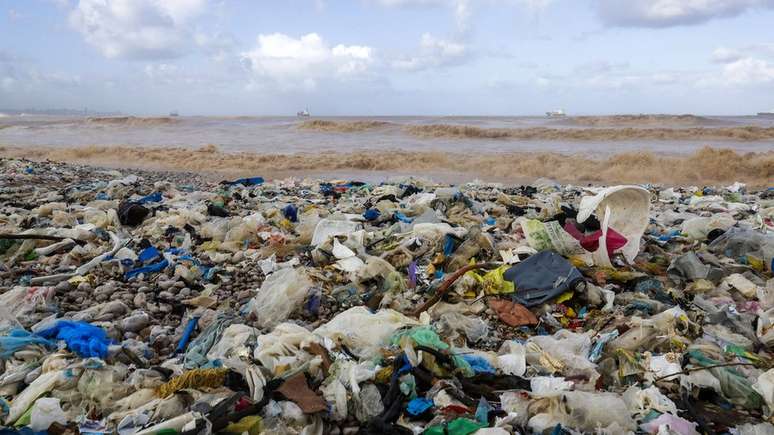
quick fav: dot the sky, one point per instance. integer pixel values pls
(388, 57)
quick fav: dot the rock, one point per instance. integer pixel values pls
(166, 295)
(63, 286)
(136, 322)
(140, 300)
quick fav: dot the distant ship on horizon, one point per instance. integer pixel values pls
(559, 113)
(770, 113)
(303, 113)
(174, 113)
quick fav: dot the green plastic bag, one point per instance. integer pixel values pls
(421, 336)
(458, 426)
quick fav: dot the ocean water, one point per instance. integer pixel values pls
(613, 149)
(293, 135)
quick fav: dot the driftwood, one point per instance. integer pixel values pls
(446, 285)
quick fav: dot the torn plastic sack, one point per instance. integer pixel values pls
(765, 387)
(151, 268)
(18, 339)
(284, 347)
(281, 293)
(328, 227)
(473, 327)
(742, 243)
(196, 355)
(543, 277)
(83, 339)
(625, 209)
(362, 331)
(512, 358)
(46, 411)
(735, 387)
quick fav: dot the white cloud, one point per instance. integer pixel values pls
(666, 13)
(137, 29)
(460, 8)
(301, 62)
(748, 71)
(219, 46)
(162, 70)
(433, 52)
(725, 55)
(598, 67)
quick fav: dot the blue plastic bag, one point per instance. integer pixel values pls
(148, 254)
(251, 181)
(153, 197)
(84, 339)
(371, 214)
(479, 364)
(152, 268)
(18, 339)
(418, 406)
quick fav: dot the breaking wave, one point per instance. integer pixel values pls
(132, 121)
(705, 166)
(746, 133)
(343, 126)
(641, 120)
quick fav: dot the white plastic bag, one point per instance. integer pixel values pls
(765, 387)
(329, 227)
(44, 412)
(512, 358)
(623, 208)
(363, 332)
(549, 385)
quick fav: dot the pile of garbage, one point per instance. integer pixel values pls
(154, 303)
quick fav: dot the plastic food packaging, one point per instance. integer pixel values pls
(623, 208)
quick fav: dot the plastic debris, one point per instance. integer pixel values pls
(155, 303)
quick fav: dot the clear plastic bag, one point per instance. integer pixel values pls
(279, 295)
(473, 327)
(362, 331)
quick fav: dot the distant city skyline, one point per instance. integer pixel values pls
(388, 57)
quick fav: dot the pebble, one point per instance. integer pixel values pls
(165, 295)
(164, 285)
(140, 299)
(63, 286)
